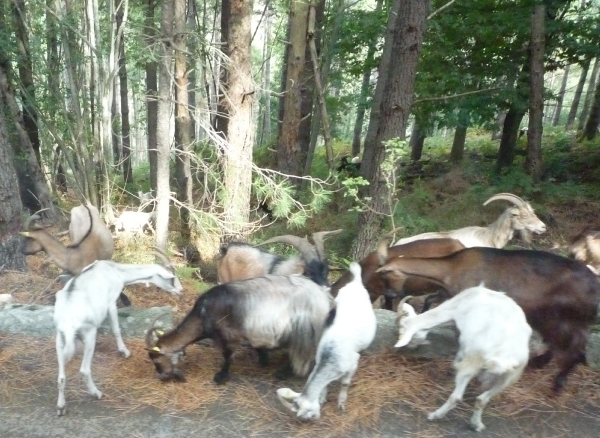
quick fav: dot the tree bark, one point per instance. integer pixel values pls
(591, 126)
(391, 108)
(265, 137)
(289, 153)
(221, 121)
(123, 88)
(533, 163)
(458, 144)
(364, 91)
(25, 67)
(237, 160)
(182, 117)
(163, 139)
(577, 98)
(588, 96)
(417, 141)
(151, 92)
(11, 211)
(561, 96)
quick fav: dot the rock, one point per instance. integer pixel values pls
(592, 351)
(38, 321)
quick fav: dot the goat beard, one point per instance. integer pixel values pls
(525, 236)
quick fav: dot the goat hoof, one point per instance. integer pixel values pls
(434, 416)
(60, 411)
(477, 427)
(221, 378)
(125, 353)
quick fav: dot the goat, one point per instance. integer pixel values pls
(559, 296)
(84, 303)
(377, 286)
(493, 343)
(349, 329)
(586, 248)
(134, 221)
(351, 166)
(94, 242)
(240, 261)
(520, 217)
(268, 312)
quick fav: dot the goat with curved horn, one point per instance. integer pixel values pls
(319, 238)
(506, 197)
(308, 251)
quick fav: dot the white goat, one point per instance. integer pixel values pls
(134, 221)
(84, 303)
(493, 342)
(519, 217)
(350, 328)
(586, 248)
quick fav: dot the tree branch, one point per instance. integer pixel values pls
(437, 11)
(453, 96)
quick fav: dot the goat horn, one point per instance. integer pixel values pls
(308, 251)
(506, 197)
(319, 237)
(164, 257)
(151, 330)
(400, 310)
(34, 217)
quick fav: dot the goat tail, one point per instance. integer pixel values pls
(306, 333)
(355, 270)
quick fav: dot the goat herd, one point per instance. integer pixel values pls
(496, 297)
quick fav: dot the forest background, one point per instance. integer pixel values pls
(235, 114)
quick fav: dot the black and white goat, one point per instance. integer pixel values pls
(349, 329)
(493, 342)
(83, 304)
(268, 312)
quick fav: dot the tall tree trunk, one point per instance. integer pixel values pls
(221, 121)
(417, 141)
(577, 98)
(289, 153)
(151, 91)
(391, 108)
(533, 163)
(163, 139)
(266, 133)
(283, 83)
(117, 145)
(237, 160)
(123, 88)
(589, 94)
(591, 126)
(25, 66)
(182, 116)
(561, 96)
(11, 212)
(364, 91)
(458, 144)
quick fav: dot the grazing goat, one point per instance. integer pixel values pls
(559, 296)
(493, 343)
(134, 221)
(350, 328)
(377, 286)
(586, 248)
(268, 312)
(352, 166)
(84, 303)
(519, 217)
(241, 261)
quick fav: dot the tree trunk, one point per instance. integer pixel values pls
(561, 96)
(237, 161)
(577, 98)
(117, 145)
(391, 108)
(11, 257)
(508, 142)
(123, 88)
(25, 66)
(151, 93)
(417, 141)
(182, 117)
(163, 139)
(289, 153)
(265, 132)
(591, 127)
(221, 122)
(364, 91)
(458, 144)
(533, 163)
(589, 94)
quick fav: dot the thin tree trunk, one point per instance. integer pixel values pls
(591, 127)
(25, 66)
(116, 143)
(289, 153)
(458, 144)
(221, 121)
(237, 161)
(561, 96)
(11, 212)
(533, 163)
(163, 139)
(417, 141)
(577, 98)
(391, 108)
(267, 50)
(151, 92)
(588, 96)
(182, 116)
(124, 100)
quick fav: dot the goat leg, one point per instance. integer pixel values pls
(125, 300)
(263, 357)
(223, 375)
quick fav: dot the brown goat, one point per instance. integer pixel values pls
(378, 286)
(559, 296)
(586, 248)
